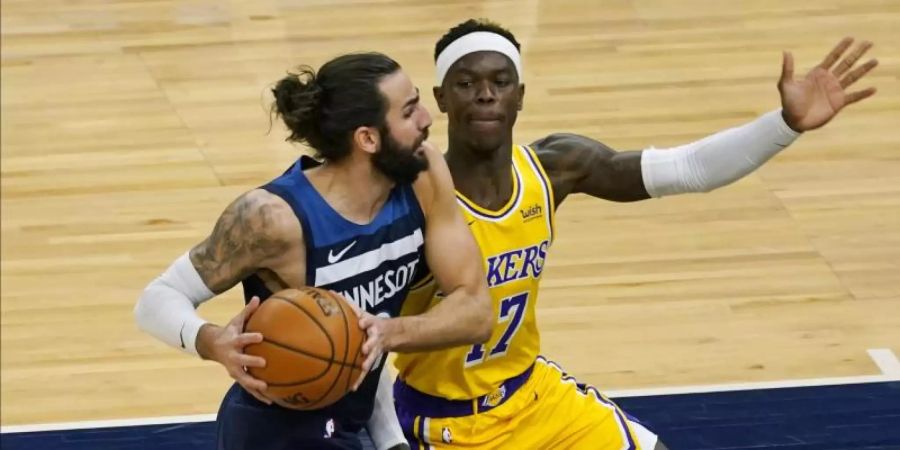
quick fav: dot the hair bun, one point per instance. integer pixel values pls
(297, 99)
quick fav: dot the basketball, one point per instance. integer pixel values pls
(312, 345)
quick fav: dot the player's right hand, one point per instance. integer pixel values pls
(227, 348)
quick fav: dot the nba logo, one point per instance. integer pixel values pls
(494, 398)
(329, 428)
(445, 435)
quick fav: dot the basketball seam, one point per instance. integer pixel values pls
(342, 365)
(356, 358)
(324, 331)
(337, 378)
(358, 352)
(347, 347)
(331, 342)
(311, 355)
(306, 380)
(318, 324)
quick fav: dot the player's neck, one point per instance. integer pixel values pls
(352, 187)
(484, 176)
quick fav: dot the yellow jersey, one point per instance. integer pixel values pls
(514, 243)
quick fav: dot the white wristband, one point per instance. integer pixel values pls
(716, 160)
(167, 307)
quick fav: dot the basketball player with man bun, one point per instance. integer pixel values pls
(362, 222)
(502, 394)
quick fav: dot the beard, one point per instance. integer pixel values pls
(399, 163)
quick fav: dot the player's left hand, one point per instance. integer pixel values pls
(812, 101)
(378, 330)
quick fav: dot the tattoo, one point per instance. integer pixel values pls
(247, 233)
(577, 164)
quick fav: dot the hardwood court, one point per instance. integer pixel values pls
(128, 126)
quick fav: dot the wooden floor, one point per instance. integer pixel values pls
(128, 125)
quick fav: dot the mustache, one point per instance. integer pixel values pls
(422, 138)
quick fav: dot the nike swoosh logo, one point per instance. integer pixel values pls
(332, 258)
(470, 223)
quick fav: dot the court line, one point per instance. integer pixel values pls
(886, 360)
(114, 423)
(672, 390)
(780, 384)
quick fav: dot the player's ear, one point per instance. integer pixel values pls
(439, 98)
(366, 139)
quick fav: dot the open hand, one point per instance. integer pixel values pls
(812, 101)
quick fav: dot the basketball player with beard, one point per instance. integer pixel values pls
(362, 221)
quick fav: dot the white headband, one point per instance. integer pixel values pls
(479, 41)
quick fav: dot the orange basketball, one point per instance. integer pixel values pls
(312, 345)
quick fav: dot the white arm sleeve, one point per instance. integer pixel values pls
(384, 426)
(167, 308)
(716, 160)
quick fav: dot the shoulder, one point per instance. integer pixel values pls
(557, 150)
(260, 204)
(261, 214)
(254, 231)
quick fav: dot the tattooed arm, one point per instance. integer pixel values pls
(257, 232)
(253, 233)
(578, 164)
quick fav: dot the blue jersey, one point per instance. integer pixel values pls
(372, 265)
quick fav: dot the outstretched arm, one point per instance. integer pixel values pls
(577, 164)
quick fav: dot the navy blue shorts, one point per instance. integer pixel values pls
(245, 423)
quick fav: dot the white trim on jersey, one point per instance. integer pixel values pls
(369, 260)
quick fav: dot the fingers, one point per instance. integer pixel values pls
(366, 320)
(859, 95)
(373, 353)
(858, 73)
(245, 360)
(371, 361)
(787, 67)
(358, 382)
(250, 307)
(368, 365)
(369, 346)
(241, 318)
(372, 348)
(429, 145)
(836, 53)
(851, 59)
(244, 339)
(246, 380)
(373, 341)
